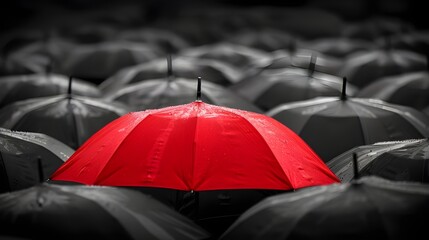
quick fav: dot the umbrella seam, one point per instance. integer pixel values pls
(266, 144)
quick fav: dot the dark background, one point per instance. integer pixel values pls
(18, 13)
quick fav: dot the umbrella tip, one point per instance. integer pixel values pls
(40, 169)
(169, 67)
(69, 90)
(355, 167)
(312, 66)
(343, 91)
(199, 89)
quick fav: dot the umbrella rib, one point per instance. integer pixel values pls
(4, 174)
(194, 148)
(266, 144)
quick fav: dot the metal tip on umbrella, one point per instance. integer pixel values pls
(40, 169)
(312, 66)
(169, 68)
(199, 90)
(355, 167)
(69, 90)
(343, 91)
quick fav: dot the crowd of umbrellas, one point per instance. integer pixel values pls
(219, 123)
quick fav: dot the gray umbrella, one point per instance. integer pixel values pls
(157, 93)
(410, 89)
(333, 125)
(186, 67)
(20, 87)
(28, 158)
(363, 68)
(51, 211)
(269, 89)
(399, 161)
(367, 208)
(70, 119)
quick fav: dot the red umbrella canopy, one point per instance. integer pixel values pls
(196, 146)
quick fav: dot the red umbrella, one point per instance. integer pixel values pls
(208, 162)
(195, 147)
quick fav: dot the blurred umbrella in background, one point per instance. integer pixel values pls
(333, 125)
(195, 157)
(20, 87)
(236, 55)
(367, 208)
(337, 47)
(272, 88)
(69, 118)
(183, 67)
(96, 62)
(416, 41)
(35, 57)
(167, 41)
(378, 26)
(157, 93)
(410, 89)
(50, 211)
(406, 160)
(28, 158)
(363, 68)
(268, 39)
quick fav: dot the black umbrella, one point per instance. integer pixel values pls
(51, 211)
(68, 118)
(398, 161)
(234, 54)
(367, 208)
(363, 68)
(35, 57)
(337, 47)
(267, 39)
(375, 27)
(28, 158)
(416, 41)
(20, 87)
(96, 62)
(410, 89)
(166, 40)
(333, 125)
(159, 93)
(270, 89)
(185, 67)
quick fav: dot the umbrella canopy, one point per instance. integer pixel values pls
(267, 39)
(28, 158)
(233, 54)
(96, 62)
(337, 47)
(20, 87)
(416, 41)
(157, 93)
(208, 162)
(368, 208)
(186, 67)
(375, 27)
(333, 125)
(166, 40)
(50, 211)
(70, 119)
(35, 57)
(268, 90)
(196, 146)
(410, 89)
(399, 161)
(363, 68)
